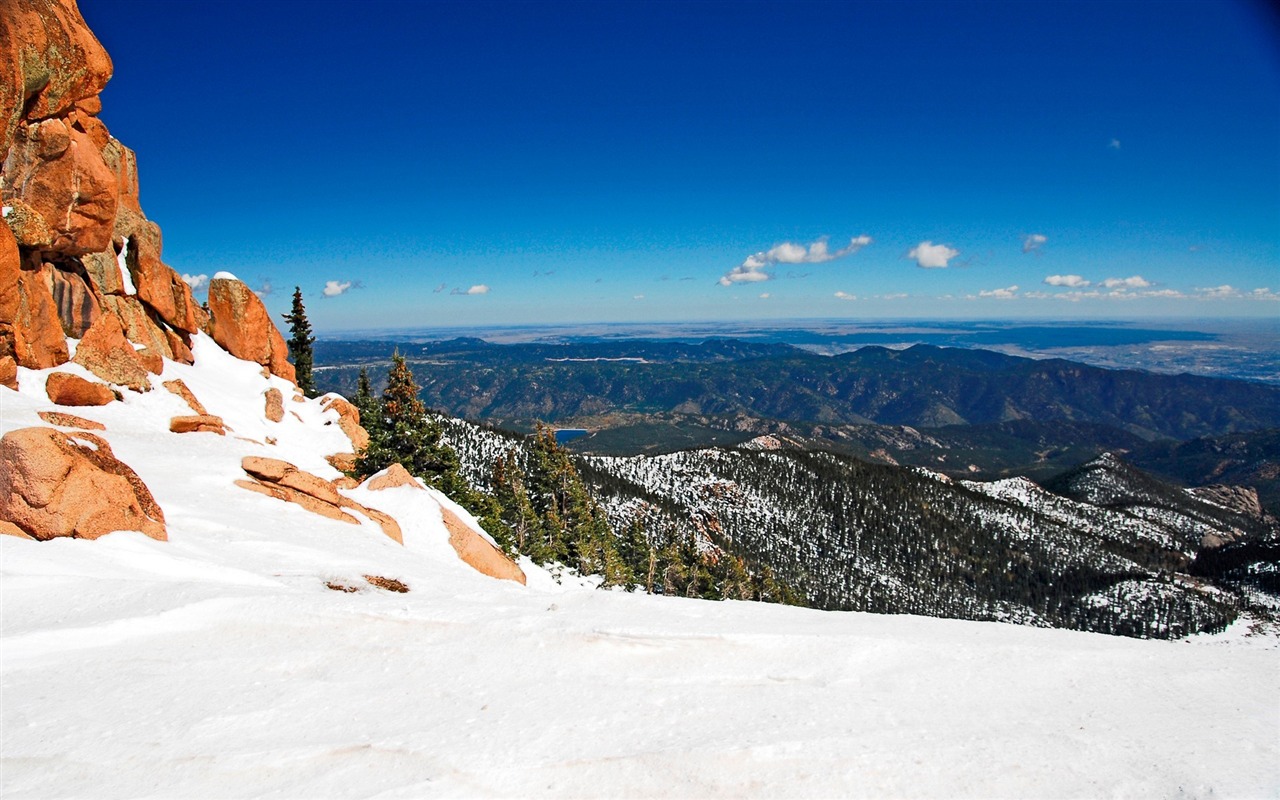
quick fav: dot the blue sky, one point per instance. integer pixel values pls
(489, 163)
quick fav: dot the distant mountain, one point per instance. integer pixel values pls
(922, 386)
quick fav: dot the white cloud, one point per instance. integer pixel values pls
(1007, 293)
(1070, 281)
(335, 288)
(1120, 293)
(894, 296)
(744, 274)
(479, 288)
(1033, 241)
(637, 297)
(764, 295)
(440, 288)
(1073, 297)
(932, 256)
(1264, 293)
(1219, 292)
(1132, 282)
(846, 296)
(754, 267)
(195, 281)
(1115, 144)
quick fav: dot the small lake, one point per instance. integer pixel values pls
(569, 434)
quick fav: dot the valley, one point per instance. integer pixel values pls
(965, 413)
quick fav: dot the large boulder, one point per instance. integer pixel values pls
(66, 389)
(54, 484)
(239, 322)
(49, 62)
(105, 352)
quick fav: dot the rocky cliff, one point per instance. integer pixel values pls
(76, 246)
(91, 318)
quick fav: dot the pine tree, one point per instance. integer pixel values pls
(572, 528)
(300, 344)
(369, 407)
(364, 395)
(401, 432)
(519, 521)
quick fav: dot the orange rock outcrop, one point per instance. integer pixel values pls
(240, 323)
(75, 246)
(198, 423)
(284, 481)
(476, 550)
(274, 406)
(70, 421)
(54, 484)
(66, 389)
(105, 352)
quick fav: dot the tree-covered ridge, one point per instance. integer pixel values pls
(834, 532)
(922, 386)
(871, 537)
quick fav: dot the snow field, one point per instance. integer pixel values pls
(218, 664)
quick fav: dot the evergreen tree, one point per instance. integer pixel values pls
(572, 528)
(364, 395)
(401, 432)
(300, 344)
(369, 407)
(517, 517)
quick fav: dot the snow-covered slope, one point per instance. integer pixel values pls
(222, 664)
